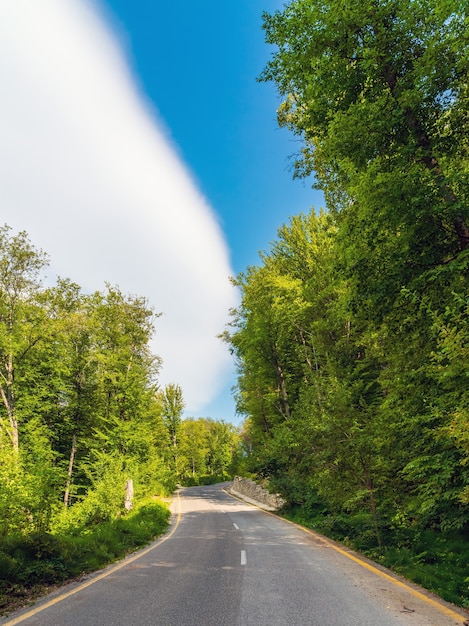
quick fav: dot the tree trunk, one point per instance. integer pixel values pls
(371, 495)
(8, 399)
(283, 389)
(433, 165)
(129, 495)
(70, 470)
(428, 158)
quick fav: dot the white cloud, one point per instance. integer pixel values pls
(91, 175)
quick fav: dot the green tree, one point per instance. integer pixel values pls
(222, 445)
(126, 367)
(170, 402)
(331, 439)
(172, 405)
(378, 91)
(280, 333)
(193, 449)
(21, 318)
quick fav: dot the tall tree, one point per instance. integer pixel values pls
(379, 93)
(278, 334)
(75, 418)
(193, 448)
(21, 318)
(222, 446)
(171, 402)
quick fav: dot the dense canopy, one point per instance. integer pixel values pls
(351, 339)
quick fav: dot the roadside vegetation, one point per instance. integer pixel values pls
(352, 335)
(33, 563)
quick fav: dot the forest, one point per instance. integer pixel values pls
(89, 441)
(352, 337)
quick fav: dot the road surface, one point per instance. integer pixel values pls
(227, 563)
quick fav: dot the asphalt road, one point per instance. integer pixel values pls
(226, 563)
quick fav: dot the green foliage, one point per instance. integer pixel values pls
(378, 92)
(17, 488)
(436, 562)
(172, 406)
(351, 337)
(208, 451)
(35, 560)
(104, 498)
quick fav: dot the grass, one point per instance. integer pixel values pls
(32, 564)
(434, 561)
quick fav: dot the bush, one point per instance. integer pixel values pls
(38, 559)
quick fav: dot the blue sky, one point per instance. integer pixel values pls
(197, 62)
(138, 148)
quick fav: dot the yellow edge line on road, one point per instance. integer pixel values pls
(441, 607)
(108, 572)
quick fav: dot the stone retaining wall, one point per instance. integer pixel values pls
(249, 490)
